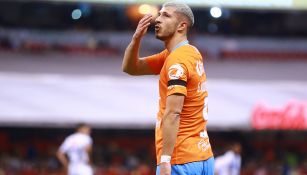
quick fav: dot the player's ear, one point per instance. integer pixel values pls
(182, 26)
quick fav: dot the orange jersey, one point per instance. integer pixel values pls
(182, 71)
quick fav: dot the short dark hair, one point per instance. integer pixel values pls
(81, 125)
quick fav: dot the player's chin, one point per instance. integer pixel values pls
(156, 32)
(158, 35)
(160, 38)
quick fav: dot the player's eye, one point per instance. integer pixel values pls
(166, 15)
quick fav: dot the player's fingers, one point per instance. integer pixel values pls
(144, 23)
(143, 18)
(144, 27)
(147, 16)
(147, 20)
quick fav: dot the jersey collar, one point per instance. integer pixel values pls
(182, 43)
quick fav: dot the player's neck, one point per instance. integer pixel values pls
(83, 132)
(170, 44)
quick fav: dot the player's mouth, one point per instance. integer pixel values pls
(157, 27)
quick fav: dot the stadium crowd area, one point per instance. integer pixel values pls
(131, 152)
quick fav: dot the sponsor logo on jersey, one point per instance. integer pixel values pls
(200, 68)
(204, 144)
(175, 72)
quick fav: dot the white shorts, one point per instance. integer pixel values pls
(80, 169)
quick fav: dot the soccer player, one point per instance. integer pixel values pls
(230, 162)
(77, 147)
(182, 142)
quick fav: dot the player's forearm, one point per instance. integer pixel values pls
(89, 152)
(62, 159)
(131, 57)
(170, 127)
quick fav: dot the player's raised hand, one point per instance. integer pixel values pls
(142, 26)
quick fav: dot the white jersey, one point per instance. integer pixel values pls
(228, 164)
(75, 147)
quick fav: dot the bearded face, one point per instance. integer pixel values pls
(166, 23)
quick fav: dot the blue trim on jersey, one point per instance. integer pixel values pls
(182, 43)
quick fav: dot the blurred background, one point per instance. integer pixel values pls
(60, 64)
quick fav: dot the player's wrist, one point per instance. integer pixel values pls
(165, 159)
(136, 40)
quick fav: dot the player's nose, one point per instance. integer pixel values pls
(157, 20)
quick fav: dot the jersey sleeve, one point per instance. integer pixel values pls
(177, 76)
(65, 146)
(89, 141)
(155, 62)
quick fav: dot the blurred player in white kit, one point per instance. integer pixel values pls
(75, 150)
(230, 162)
